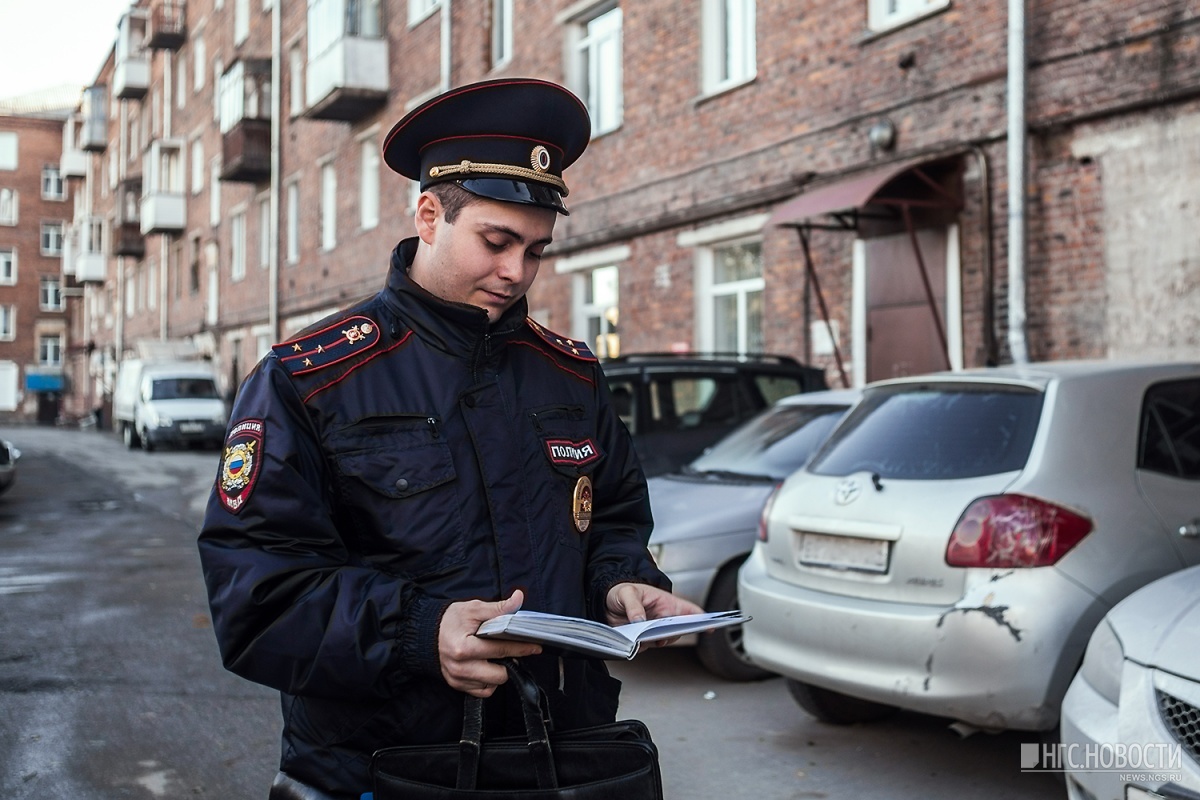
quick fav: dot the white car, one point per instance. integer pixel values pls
(953, 544)
(8, 465)
(1131, 718)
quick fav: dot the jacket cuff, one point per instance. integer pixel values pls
(419, 638)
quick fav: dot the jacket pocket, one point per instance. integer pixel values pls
(398, 487)
(568, 452)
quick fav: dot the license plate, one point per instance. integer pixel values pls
(191, 427)
(843, 552)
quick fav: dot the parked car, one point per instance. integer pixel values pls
(1135, 703)
(8, 464)
(706, 515)
(159, 403)
(677, 404)
(951, 547)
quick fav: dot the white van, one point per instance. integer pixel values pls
(168, 403)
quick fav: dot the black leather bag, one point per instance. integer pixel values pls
(608, 761)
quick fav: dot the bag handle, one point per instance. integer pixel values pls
(535, 710)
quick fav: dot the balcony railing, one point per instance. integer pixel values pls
(245, 120)
(347, 74)
(246, 152)
(93, 125)
(127, 238)
(131, 70)
(168, 25)
(73, 162)
(163, 208)
(83, 254)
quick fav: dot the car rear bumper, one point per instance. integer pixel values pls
(1107, 749)
(1001, 657)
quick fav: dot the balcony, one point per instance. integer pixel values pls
(347, 74)
(168, 25)
(83, 255)
(73, 162)
(245, 118)
(127, 239)
(93, 123)
(131, 71)
(163, 208)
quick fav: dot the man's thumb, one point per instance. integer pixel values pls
(513, 602)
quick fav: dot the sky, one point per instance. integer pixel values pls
(47, 43)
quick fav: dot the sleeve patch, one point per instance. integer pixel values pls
(240, 464)
(568, 347)
(338, 342)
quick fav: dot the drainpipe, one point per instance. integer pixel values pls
(164, 248)
(276, 123)
(1017, 247)
(446, 44)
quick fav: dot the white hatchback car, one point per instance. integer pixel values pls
(951, 547)
(1131, 718)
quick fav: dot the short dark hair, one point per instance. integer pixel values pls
(453, 198)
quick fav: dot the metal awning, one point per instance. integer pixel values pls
(867, 188)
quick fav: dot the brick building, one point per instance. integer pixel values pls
(34, 208)
(825, 180)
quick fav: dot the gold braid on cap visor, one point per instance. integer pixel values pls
(469, 167)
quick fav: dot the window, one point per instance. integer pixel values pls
(8, 150)
(598, 67)
(241, 21)
(295, 81)
(502, 32)
(730, 287)
(8, 267)
(50, 295)
(1170, 437)
(218, 70)
(420, 9)
(151, 285)
(293, 222)
(8, 323)
(130, 296)
(52, 183)
(197, 166)
(595, 311)
(199, 64)
(885, 14)
(214, 192)
(180, 80)
(237, 241)
(8, 206)
(729, 43)
(264, 232)
(174, 273)
(165, 168)
(194, 267)
(155, 111)
(52, 238)
(50, 350)
(328, 207)
(369, 191)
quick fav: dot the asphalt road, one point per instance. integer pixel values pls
(111, 686)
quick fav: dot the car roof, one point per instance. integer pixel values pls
(1040, 374)
(822, 397)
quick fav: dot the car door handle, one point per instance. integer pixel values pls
(1191, 530)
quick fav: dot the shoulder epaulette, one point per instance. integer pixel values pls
(568, 347)
(330, 345)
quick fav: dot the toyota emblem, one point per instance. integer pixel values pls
(847, 492)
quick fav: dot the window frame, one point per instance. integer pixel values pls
(45, 357)
(52, 173)
(237, 245)
(708, 290)
(420, 10)
(327, 206)
(369, 183)
(502, 33)
(51, 285)
(590, 75)
(5, 137)
(48, 227)
(719, 41)
(292, 195)
(15, 217)
(8, 256)
(8, 322)
(881, 19)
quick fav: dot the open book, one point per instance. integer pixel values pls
(596, 638)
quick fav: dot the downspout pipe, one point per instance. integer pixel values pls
(276, 124)
(1017, 170)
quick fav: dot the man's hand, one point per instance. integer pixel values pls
(636, 602)
(465, 658)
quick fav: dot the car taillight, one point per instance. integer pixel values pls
(766, 512)
(1012, 530)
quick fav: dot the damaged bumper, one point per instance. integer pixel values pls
(1000, 657)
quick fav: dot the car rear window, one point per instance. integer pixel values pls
(774, 444)
(934, 433)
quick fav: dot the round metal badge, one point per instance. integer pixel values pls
(581, 504)
(539, 159)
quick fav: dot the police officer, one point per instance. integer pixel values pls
(429, 459)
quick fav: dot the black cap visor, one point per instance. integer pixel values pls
(511, 191)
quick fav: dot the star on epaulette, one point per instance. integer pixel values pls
(570, 347)
(344, 339)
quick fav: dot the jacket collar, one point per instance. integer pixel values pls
(456, 328)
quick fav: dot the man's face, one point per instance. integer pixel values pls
(488, 258)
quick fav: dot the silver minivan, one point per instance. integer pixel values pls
(951, 547)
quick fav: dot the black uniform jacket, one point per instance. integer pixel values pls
(396, 457)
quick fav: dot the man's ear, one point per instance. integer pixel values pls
(429, 215)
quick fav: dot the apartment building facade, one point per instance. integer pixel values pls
(829, 181)
(34, 209)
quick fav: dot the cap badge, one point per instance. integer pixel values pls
(540, 158)
(581, 504)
